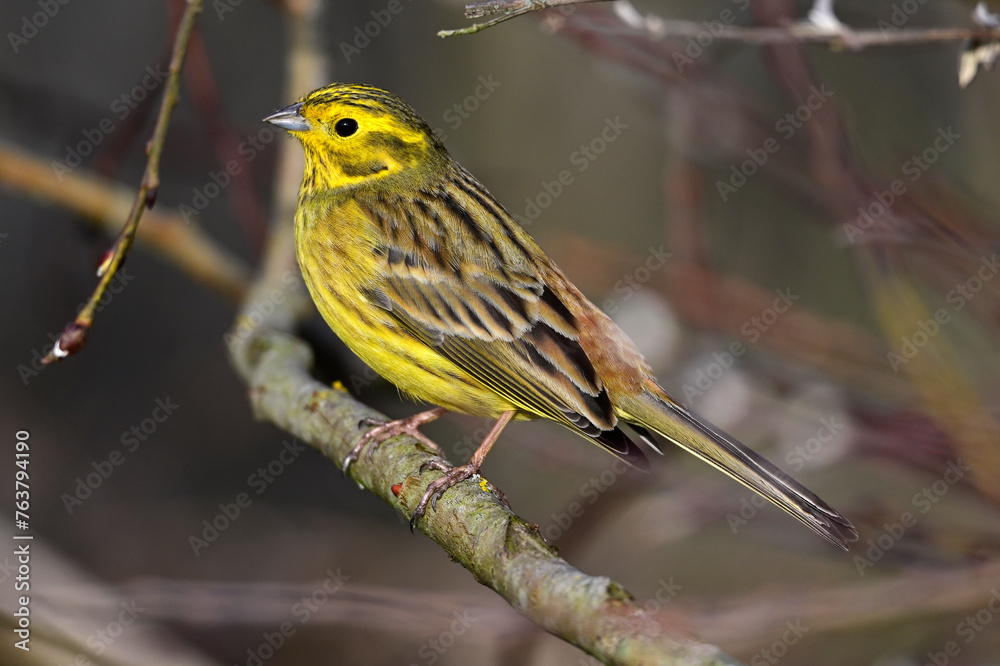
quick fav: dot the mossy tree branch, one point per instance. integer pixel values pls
(501, 550)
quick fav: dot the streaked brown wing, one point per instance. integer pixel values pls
(480, 302)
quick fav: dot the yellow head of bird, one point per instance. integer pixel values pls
(355, 134)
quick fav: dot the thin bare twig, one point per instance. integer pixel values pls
(808, 33)
(508, 8)
(74, 336)
(802, 32)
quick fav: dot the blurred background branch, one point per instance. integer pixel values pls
(105, 204)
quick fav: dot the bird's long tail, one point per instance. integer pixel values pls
(654, 409)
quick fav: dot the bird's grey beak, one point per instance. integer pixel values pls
(289, 118)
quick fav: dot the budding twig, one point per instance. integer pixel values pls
(74, 336)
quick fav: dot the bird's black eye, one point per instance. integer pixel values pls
(346, 127)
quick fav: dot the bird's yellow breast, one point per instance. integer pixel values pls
(337, 249)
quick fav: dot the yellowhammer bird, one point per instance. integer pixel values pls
(427, 278)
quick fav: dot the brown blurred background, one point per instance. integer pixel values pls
(142, 436)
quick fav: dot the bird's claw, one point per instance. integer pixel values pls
(383, 430)
(452, 476)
